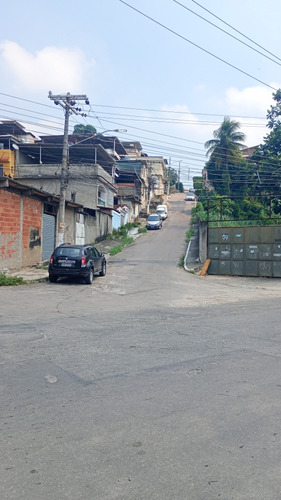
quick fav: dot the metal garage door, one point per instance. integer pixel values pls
(49, 226)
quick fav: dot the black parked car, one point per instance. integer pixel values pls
(81, 261)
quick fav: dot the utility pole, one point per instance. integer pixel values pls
(179, 175)
(68, 103)
(169, 176)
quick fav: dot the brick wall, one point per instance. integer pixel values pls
(20, 230)
(10, 230)
(31, 231)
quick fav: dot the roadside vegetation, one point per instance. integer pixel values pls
(125, 241)
(11, 280)
(122, 236)
(189, 234)
(239, 190)
(181, 261)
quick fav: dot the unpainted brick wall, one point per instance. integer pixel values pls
(31, 231)
(20, 230)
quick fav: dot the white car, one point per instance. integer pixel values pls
(162, 211)
(190, 197)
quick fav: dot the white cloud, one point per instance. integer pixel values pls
(52, 68)
(249, 101)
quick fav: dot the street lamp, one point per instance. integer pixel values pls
(114, 130)
(97, 135)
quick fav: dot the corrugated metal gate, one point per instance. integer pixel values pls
(48, 240)
(245, 251)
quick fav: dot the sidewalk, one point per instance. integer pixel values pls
(31, 274)
(191, 260)
(35, 274)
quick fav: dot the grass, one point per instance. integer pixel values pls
(125, 241)
(122, 234)
(11, 280)
(189, 234)
(181, 261)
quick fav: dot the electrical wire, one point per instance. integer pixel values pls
(226, 32)
(196, 45)
(177, 151)
(175, 112)
(234, 29)
(150, 119)
(134, 109)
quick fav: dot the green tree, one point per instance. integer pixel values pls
(267, 158)
(224, 150)
(173, 176)
(84, 129)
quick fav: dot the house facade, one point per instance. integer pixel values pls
(89, 180)
(36, 165)
(27, 224)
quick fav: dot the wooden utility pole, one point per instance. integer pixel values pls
(68, 103)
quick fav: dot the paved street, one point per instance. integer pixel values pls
(150, 384)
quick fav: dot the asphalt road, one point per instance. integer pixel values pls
(150, 384)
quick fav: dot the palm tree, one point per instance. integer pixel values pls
(225, 147)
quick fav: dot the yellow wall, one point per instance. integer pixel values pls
(7, 159)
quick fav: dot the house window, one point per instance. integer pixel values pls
(101, 196)
(110, 201)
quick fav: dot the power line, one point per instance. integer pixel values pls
(196, 45)
(176, 112)
(227, 33)
(234, 29)
(156, 119)
(132, 108)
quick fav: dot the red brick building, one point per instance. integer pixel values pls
(22, 214)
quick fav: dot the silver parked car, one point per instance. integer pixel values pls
(190, 197)
(154, 221)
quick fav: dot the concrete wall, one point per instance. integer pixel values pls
(203, 241)
(97, 228)
(70, 226)
(83, 182)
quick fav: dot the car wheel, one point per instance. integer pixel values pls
(89, 279)
(103, 269)
(52, 279)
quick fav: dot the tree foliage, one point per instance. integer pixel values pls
(267, 158)
(198, 185)
(173, 176)
(225, 155)
(80, 128)
(248, 190)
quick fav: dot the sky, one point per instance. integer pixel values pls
(167, 71)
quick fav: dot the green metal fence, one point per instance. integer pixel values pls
(245, 251)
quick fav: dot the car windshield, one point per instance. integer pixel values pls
(160, 211)
(69, 252)
(153, 217)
